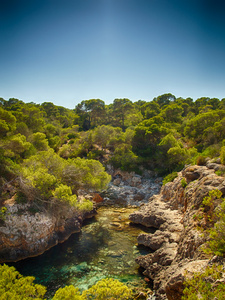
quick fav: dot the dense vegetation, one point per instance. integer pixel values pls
(49, 153)
(162, 134)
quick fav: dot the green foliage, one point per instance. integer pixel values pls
(15, 286)
(108, 289)
(3, 212)
(169, 177)
(39, 141)
(203, 285)
(88, 174)
(7, 122)
(222, 155)
(17, 146)
(67, 293)
(124, 158)
(216, 243)
(183, 182)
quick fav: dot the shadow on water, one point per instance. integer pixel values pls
(143, 228)
(106, 247)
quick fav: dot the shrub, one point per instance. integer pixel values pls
(170, 177)
(202, 285)
(222, 155)
(183, 182)
(3, 212)
(15, 286)
(108, 289)
(67, 293)
(201, 160)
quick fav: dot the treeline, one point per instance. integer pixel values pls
(57, 151)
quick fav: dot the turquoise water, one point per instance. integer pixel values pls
(106, 247)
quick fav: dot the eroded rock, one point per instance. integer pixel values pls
(177, 242)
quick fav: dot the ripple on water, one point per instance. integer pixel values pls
(105, 248)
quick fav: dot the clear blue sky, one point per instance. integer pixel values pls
(66, 51)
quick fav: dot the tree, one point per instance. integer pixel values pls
(108, 289)
(17, 146)
(103, 134)
(172, 113)
(15, 286)
(150, 109)
(39, 141)
(121, 108)
(86, 174)
(91, 112)
(165, 99)
(67, 293)
(7, 122)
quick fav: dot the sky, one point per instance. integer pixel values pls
(66, 51)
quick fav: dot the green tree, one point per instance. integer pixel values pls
(15, 286)
(67, 293)
(7, 122)
(17, 146)
(108, 289)
(121, 108)
(39, 141)
(165, 99)
(91, 112)
(86, 174)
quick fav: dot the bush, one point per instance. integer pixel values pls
(108, 289)
(222, 155)
(15, 286)
(183, 182)
(202, 285)
(201, 160)
(67, 293)
(170, 177)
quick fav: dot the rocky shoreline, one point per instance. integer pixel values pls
(176, 244)
(26, 233)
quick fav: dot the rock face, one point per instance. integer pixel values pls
(130, 189)
(25, 234)
(176, 244)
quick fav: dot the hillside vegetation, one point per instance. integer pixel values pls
(49, 153)
(55, 151)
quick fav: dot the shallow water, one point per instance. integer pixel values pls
(106, 247)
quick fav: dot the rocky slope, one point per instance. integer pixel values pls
(130, 189)
(176, 244)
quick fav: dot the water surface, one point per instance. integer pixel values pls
(106, 247)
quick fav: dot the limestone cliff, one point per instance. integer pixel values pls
(25, 233)
(176, 244)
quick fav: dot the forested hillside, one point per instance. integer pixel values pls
(51, 152)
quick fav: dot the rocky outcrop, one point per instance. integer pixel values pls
(25, 233)
(130, 189)
(176, 244)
